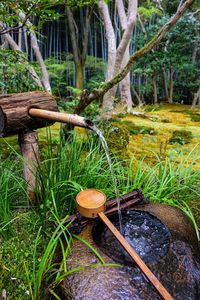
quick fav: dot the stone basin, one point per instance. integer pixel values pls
(177, 265)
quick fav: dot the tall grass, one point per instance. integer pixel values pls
(12, 190)
(78, 165)
(82, 164)
(165, 181)
(47, 275)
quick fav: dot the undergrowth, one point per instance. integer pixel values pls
(29, 240)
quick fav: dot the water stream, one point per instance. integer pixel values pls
(106, 149)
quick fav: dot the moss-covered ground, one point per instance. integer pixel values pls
(178, 120)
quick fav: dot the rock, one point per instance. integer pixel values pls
(178, 270)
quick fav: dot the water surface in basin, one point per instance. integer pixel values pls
(144, 232)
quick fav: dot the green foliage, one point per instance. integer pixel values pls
(45, 272)
(80, 3)
(135, 129)
(174, 52)
(195, 117)
(181, 137)
(147, 12)
(12, 194)
(43, 9)
(14, 76)
(62, 72)
(96, 67)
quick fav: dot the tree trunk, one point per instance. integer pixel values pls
(139, 100)
(196, 99)
(165, 84)
(79, 76)
(171, 85)
(20, 32)
(127, 23)
(125, 85)
(36, 49)
(108, 99)
(30, 151)
(79, 57)
(155, 89)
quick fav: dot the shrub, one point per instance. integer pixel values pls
(181, 137)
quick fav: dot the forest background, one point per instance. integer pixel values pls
(66, 48)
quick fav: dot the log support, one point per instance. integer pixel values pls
(14, 112)
(30, 151)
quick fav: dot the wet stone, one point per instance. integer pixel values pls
(176, 265)
(144, 232)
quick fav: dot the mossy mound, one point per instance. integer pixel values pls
(117, 137)
(181, 137)
(135, 129)
(195, 118)
(165, 121)
(152, 108)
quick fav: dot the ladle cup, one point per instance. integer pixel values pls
(91, 204)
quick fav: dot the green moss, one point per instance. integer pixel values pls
(117, 137)
(121, 115)
(152, 108)
(165, 121)
(195, 118)
(135, 129)
(181, 137)
(15, 252)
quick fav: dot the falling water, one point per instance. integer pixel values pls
(94, 128)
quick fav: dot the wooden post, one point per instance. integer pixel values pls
(30, 151)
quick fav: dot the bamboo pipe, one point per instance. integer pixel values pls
(91, 204)
(60, 117)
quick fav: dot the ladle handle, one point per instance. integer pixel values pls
(139, 262)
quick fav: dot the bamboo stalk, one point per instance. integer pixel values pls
(60, 117)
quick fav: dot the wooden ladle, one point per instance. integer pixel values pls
(91, 204)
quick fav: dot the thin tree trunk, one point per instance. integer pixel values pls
(125, 85)
(36, 49)
(20, 36)
(79, 58)
(140, 102)
(165, 84)
(171, 85)
(127, 23)
(155, 92)
(196, 99)
(108, 99)
(79, 76)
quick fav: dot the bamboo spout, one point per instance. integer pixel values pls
(71, 119)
